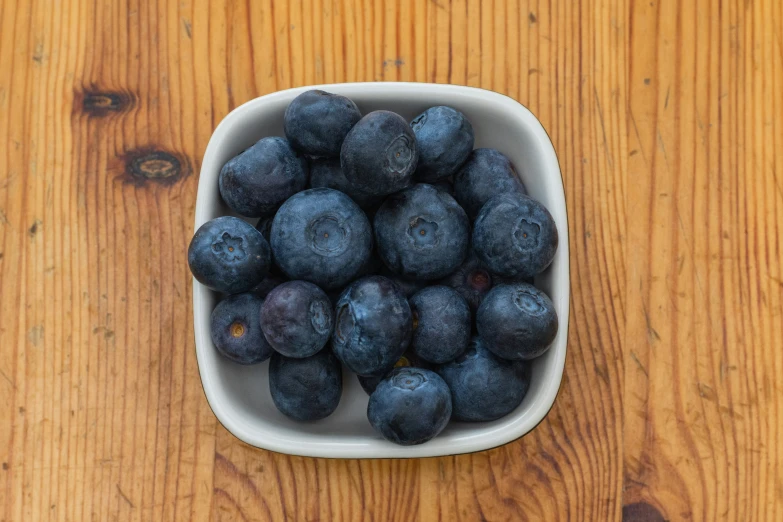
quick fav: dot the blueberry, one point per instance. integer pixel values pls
(321, 236)
(484, 387)
(260, 179)
(408, 287)
(441, 324)
(486, 173)
(410, 406)
(445, 140)
(306, 389)
(297, 319)
(501, 280)
(228, 255)
(515, 236)
(269, 283)
(472, 280)
(328, 173)
(264, 226)
(316, 122)
(236, 329)
(445, 185)
(369, 383)
(372, 266)
(380, 154)
(517, 321)
(421, 233)
(372, 326)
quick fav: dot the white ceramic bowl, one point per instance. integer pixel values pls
(239, 395)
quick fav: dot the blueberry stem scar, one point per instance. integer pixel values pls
(237, 330)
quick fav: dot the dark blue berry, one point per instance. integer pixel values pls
(269, 283)
(486, 173)
(297, 319)
(372, 326)
(264, 226)
(445, 140)
(316, 122)
(408, 287)
(484, 387)
(306, 389)
(421, 233)
(445, 185)
(410, 406)
(260, 179)
(441, 324)
(228, 255)
(369, 383)
(372, 266)
(328, 173)
(236, 329)
(517, 321)
(321, 236)
(515, 236)
(472, 280)
(379, 155)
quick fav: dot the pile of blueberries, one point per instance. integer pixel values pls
(395, 250)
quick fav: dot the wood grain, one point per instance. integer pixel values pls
(666, 118)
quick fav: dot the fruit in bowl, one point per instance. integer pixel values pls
(404, 242)
(321, 239)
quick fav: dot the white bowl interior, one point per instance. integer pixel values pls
(239, 395)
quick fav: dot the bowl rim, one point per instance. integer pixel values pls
(499, 437)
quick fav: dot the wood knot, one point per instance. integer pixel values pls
(155, 165)
(162, 167)
(641, 512)
(98, 103)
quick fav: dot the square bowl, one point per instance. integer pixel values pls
(239, 395)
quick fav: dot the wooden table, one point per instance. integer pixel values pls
(666, 116)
